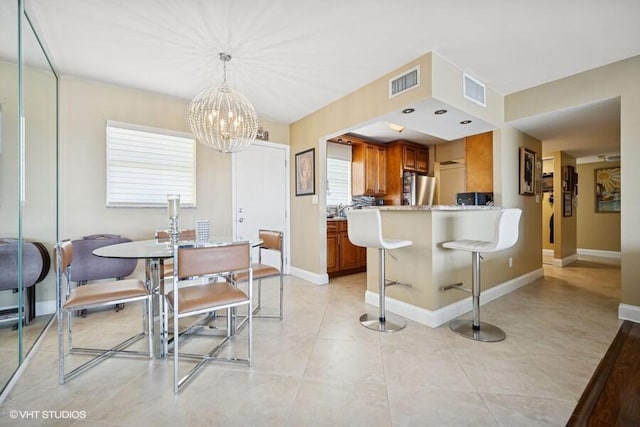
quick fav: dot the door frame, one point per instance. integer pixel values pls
(287, 219)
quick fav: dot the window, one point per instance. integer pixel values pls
(145, 164)
(338, 174)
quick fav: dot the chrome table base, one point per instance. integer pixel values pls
(486, 332)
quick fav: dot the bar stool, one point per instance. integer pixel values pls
(506, 236)
(364, 228)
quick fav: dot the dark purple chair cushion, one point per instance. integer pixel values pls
(33, 264)
(86, 266)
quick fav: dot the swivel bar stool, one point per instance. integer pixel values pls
(506, 236)
(364, 228)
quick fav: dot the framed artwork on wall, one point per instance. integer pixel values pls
(567, 203)
(527, 171)
(305, 172)
(607, 187)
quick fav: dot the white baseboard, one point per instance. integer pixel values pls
(318, 279)
(548, 252)
(629, 312)
(600, 253)
(443, 315)
(561, 262)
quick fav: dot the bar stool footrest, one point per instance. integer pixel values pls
(390, 324)
(485, 333)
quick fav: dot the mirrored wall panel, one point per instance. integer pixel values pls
(28, 189)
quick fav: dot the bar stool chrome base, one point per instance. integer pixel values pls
(485, 333)
(390, 323)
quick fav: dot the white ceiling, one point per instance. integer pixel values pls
(292, 57)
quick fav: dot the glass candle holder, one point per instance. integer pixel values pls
(174, 208)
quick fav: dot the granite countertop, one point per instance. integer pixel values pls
(438, 208)
(337, 218)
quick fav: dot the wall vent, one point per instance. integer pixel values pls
(404, 82)
(474, 90)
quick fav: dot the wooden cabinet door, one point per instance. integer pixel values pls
(409, 155)
(381, 171)
(370, 168)
(375, 170)
(349, 253)
(422, 160)
(333, 253)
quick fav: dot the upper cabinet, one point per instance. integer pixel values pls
(369, 170)
(414, 158)
(403, 156)
(479, 162)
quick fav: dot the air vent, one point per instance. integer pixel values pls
(474, 90)
(404, 82)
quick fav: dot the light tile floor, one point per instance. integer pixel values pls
(319, 367)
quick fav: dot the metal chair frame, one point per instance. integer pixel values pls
(95, 295)
(208, 263)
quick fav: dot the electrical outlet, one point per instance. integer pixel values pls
(510, 262)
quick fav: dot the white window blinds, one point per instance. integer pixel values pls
(338, 182)
(145, 164)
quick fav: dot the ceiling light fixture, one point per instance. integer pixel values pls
(395, 127)
(222, 118)
(438, 112)
(465, 122)
(408, 110)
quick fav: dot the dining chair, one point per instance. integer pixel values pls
(271, 241)
(71, 299)
(204, 268)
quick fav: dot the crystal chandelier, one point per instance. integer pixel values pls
(223, 118)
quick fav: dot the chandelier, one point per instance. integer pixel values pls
(223, 118)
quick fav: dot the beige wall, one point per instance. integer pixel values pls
(597, 231)
(613, 80)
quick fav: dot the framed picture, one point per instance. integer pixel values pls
(527, 171)
(547, 182)
(567, 200)
(607, 182)
(305, 172)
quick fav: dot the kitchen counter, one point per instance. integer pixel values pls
(427, 266)
(437, 208)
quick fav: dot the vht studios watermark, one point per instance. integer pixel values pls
(17, 414)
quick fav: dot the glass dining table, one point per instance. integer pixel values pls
(154, 253)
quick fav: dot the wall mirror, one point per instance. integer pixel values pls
(28, 185)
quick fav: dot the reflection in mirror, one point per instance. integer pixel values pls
(28, 190)
(8, 178)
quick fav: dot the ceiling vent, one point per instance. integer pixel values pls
(474, 90)
(404, 82)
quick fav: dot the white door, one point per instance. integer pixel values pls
(261, 193)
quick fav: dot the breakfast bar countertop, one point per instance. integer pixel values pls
(438, 208)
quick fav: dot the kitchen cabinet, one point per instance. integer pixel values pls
(415, 159)
(403, 156)
(368, 170)
(343, 257)
(478, 154)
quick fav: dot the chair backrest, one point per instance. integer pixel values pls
(191, 261)
(86, 266)
(364, 228)
(507, 229)
(187, 234)
(63, 257)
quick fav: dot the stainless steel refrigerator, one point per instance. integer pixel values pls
(418, 189)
